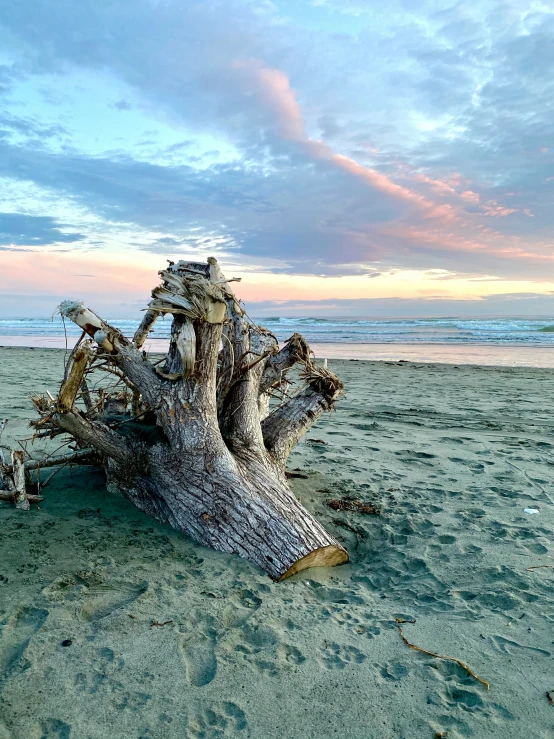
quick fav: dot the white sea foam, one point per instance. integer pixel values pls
(504, 331)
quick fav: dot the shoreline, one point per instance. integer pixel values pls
(479, 354)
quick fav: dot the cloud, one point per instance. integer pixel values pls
(418, 136)
(28, 127)
(123, 105)
(17, 230)
(516, 305)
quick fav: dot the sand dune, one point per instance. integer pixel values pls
(450, 455)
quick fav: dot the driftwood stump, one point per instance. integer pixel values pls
(194, 442)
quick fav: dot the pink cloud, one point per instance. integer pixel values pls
(439, 186)
(470, 196)
(493, 209)
(47, 273)
(273, 90)
(487, 240)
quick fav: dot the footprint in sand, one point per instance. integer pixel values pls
(393, 671)
(286, 653)
(221, 720)
(103, 600)
(411, 457)
(248, 599)
(199, 660)
(234, 616)
(260, 647)
(454, 696)
(15, 636)
(197, 648)
(335, 595)
(508, 646)
(456, 691)
(337, 656)
(102, 666)
(53, 728)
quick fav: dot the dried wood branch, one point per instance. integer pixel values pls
(74, 377)
(81, 456)
(441, 656)
(146, 325)
(9, 497)
(295, 350)
(5, 481)
(286, 425)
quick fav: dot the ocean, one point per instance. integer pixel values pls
(504, 341)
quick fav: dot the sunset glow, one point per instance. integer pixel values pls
(316, 159)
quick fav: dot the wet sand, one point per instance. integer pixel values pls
(451, 455)
(491, 355)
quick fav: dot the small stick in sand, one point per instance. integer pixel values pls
(441, 656)
(5, 482)
(9, 497)
(344, 504)
(160, 623)
(20, 495)
(345, 525)
(536, 567)
(549, 697)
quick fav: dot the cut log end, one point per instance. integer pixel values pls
(328, 556)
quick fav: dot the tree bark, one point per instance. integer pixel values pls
(200, 448)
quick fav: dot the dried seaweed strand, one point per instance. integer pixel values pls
(442, 656)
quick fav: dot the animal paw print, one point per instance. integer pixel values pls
(217, 724)
(393, 671)
(121, 698)
(104, 664)
(336, 656)
(345, 619)
(454, 696)
(370, 631)
(287, 654)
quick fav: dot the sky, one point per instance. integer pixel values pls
(343, 157)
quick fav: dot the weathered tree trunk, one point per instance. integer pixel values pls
(200, 448)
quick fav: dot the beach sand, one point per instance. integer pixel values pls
(451, 455)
